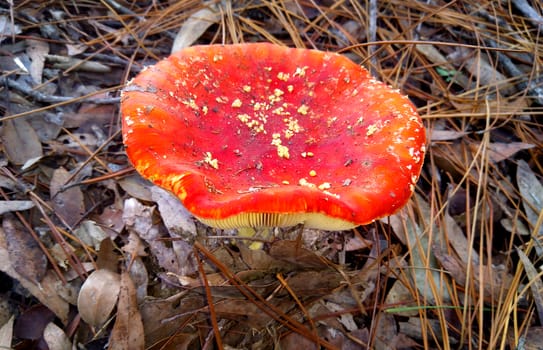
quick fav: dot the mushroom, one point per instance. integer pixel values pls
(261, 135)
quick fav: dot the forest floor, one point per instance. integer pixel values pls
(93, 256)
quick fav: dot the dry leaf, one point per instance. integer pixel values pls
(425, 267)
(135, 246)
(127, 331)
(398, 297)
(180, 225)
(68, 203)
(98, 296)
(294, 340)
(55, 338)
(457, 239)
(494, 279)
(294, 253)
(90, 233)
(386, 330)
(445, 135)
(140, 277)
(195, 26)
(7, 29)
(532, 339)
(25, 254)
(498, 151)
(162, 318)
(106, 256)
(9, 206)
(536, 284)
(32, 322)
(346, 319)
(64, 62)
(21, 143)
(36, 51)
(178, 220)
(48, 292)
(259, 259)
(415, 325)
(241, 310)
(138, 218)
(531, 191)
(6, 334)
(315, 283)
(137, 187)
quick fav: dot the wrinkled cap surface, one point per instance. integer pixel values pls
(264, 135)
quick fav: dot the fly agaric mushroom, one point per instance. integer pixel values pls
(260, 135)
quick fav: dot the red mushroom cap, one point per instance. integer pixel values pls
(260, 135)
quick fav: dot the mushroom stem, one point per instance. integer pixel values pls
(257, 236)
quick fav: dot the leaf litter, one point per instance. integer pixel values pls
(457, 267)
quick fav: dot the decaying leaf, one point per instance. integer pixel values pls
(21, 143)
(55, 338)
(90, 233)
(531, 339)
(48, 292)
(138, 218)
(98, 296)
(178, 220)
(499, 151)
(7, 28)
(6, 334)
(399, 297)
(127, 332)
(162, 318)
(414, 328)
(36, 51)
(425, 267)
(531, 191)
(68, 203)
(493, 279)
(195, 26)
(136, 187)
(26, 256)
(294, 253)
(536, 284)
(10, 206)
(32, 323)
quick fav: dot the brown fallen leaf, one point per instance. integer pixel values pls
(15, 205)
(445, 135)
(55, 338)
(163, 318)
(531, 190)
(137, 187)
(294, 253)
(532, 339)
(98, 296)
(127, 332)
(297, 341)
(6, 333)
(32, 322)
(36, 51)
(498, 151)
(25, 254)
(68, 203)
(21, 142)
(195, 26)
(495, 279)
(138, 219)
(49, 290)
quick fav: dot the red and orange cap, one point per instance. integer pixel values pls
(264, 135)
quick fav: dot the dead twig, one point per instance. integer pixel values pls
(41, 97)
